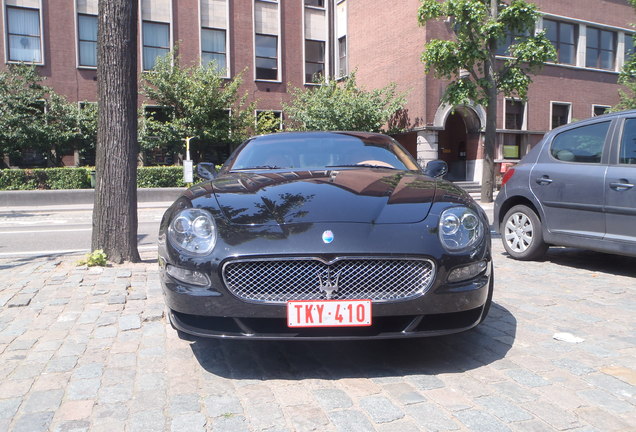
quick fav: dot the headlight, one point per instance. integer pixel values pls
(460, 228)
(193, 231)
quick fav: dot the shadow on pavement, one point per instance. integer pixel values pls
(297, 360)
(588, 260)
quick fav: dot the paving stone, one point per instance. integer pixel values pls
(527, 378)
(230, 423)
(34, 422)
(306, 418)
(129, 322)
(430, 418)
(8, 407)
(222, 405)
(73, 426)
(350, 421)
(606, 401)
(332, 399)
(83, 389)
(47, 400)
(479, 421)
(143, 421)
(188, 422)
(503, 409)
(404, 393)
(380, 409)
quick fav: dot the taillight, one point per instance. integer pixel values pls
(507, 176)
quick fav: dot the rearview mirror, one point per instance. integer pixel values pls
(436, 168)
(206, 171)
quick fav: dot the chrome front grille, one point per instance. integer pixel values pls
(282, 280)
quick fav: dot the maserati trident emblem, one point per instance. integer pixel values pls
(327, 236)
(329, 284)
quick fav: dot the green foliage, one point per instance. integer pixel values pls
(34, 117)
(342, 105)
(168, 176)
(267, 122)
(96, 258)
(198, 101)
(45, 178)
(79, 178)
(473, 49)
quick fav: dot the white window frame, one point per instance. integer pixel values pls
(6, 34)
(141, 34)
(326, 42)
(335, 42)
(524, 122)
(77, 41)
(552, 103)
(228, 72)
(279, 36)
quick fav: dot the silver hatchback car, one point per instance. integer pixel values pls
(575, 188)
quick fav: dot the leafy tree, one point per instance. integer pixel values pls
(115, 209)
(480, 27)
(267, 122)
(34, 117)
(198, 102)
(342, 105)
(627, 78)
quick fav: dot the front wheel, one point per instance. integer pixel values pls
(522, 234)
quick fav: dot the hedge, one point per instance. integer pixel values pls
(80, 178)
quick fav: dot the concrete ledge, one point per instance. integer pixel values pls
(78, 197)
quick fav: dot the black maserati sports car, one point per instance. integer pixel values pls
(324, 235)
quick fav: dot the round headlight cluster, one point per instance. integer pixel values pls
(193, 231)
(460, 228)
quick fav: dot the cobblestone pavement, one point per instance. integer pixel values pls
(90, 349)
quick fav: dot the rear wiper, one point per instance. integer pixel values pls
(361, 165)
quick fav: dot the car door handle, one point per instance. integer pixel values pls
(621, 185)
(544, 180)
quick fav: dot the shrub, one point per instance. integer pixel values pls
(80, 178)
(44, 178)
(168, 176)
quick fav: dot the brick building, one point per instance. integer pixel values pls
(278, 43)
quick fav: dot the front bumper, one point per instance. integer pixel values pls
(444, 309)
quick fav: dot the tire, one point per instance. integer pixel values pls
(522, 234)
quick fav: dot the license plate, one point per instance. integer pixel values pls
(329, 313)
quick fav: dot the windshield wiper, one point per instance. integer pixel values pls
(361, 165)
(258, 167)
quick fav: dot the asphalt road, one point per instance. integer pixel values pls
(51, 232)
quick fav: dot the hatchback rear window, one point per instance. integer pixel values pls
(583, 144)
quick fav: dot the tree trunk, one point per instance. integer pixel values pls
(490, 140)
(115, 210)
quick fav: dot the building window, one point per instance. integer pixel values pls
(598, 110)
(629, 46)
(342, 56)
(266, 29)
(315, 3)
(503, 46)
(268, 121)
(512, 146)
(23, 35)
(87, 40)
(601, 49)
(156, 41)
(314, 60)
(213, 48)
(266, 57)
(214, 34)
(515, 113)
(560, 114)
(563, 36)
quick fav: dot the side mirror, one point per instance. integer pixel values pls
(436, 168)
(206, 171)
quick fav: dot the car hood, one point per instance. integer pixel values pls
(349, 195)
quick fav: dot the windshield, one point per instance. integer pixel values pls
(320, 150)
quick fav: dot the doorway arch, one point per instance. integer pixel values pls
(458, 140)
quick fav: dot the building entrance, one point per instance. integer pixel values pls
(453, 147)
